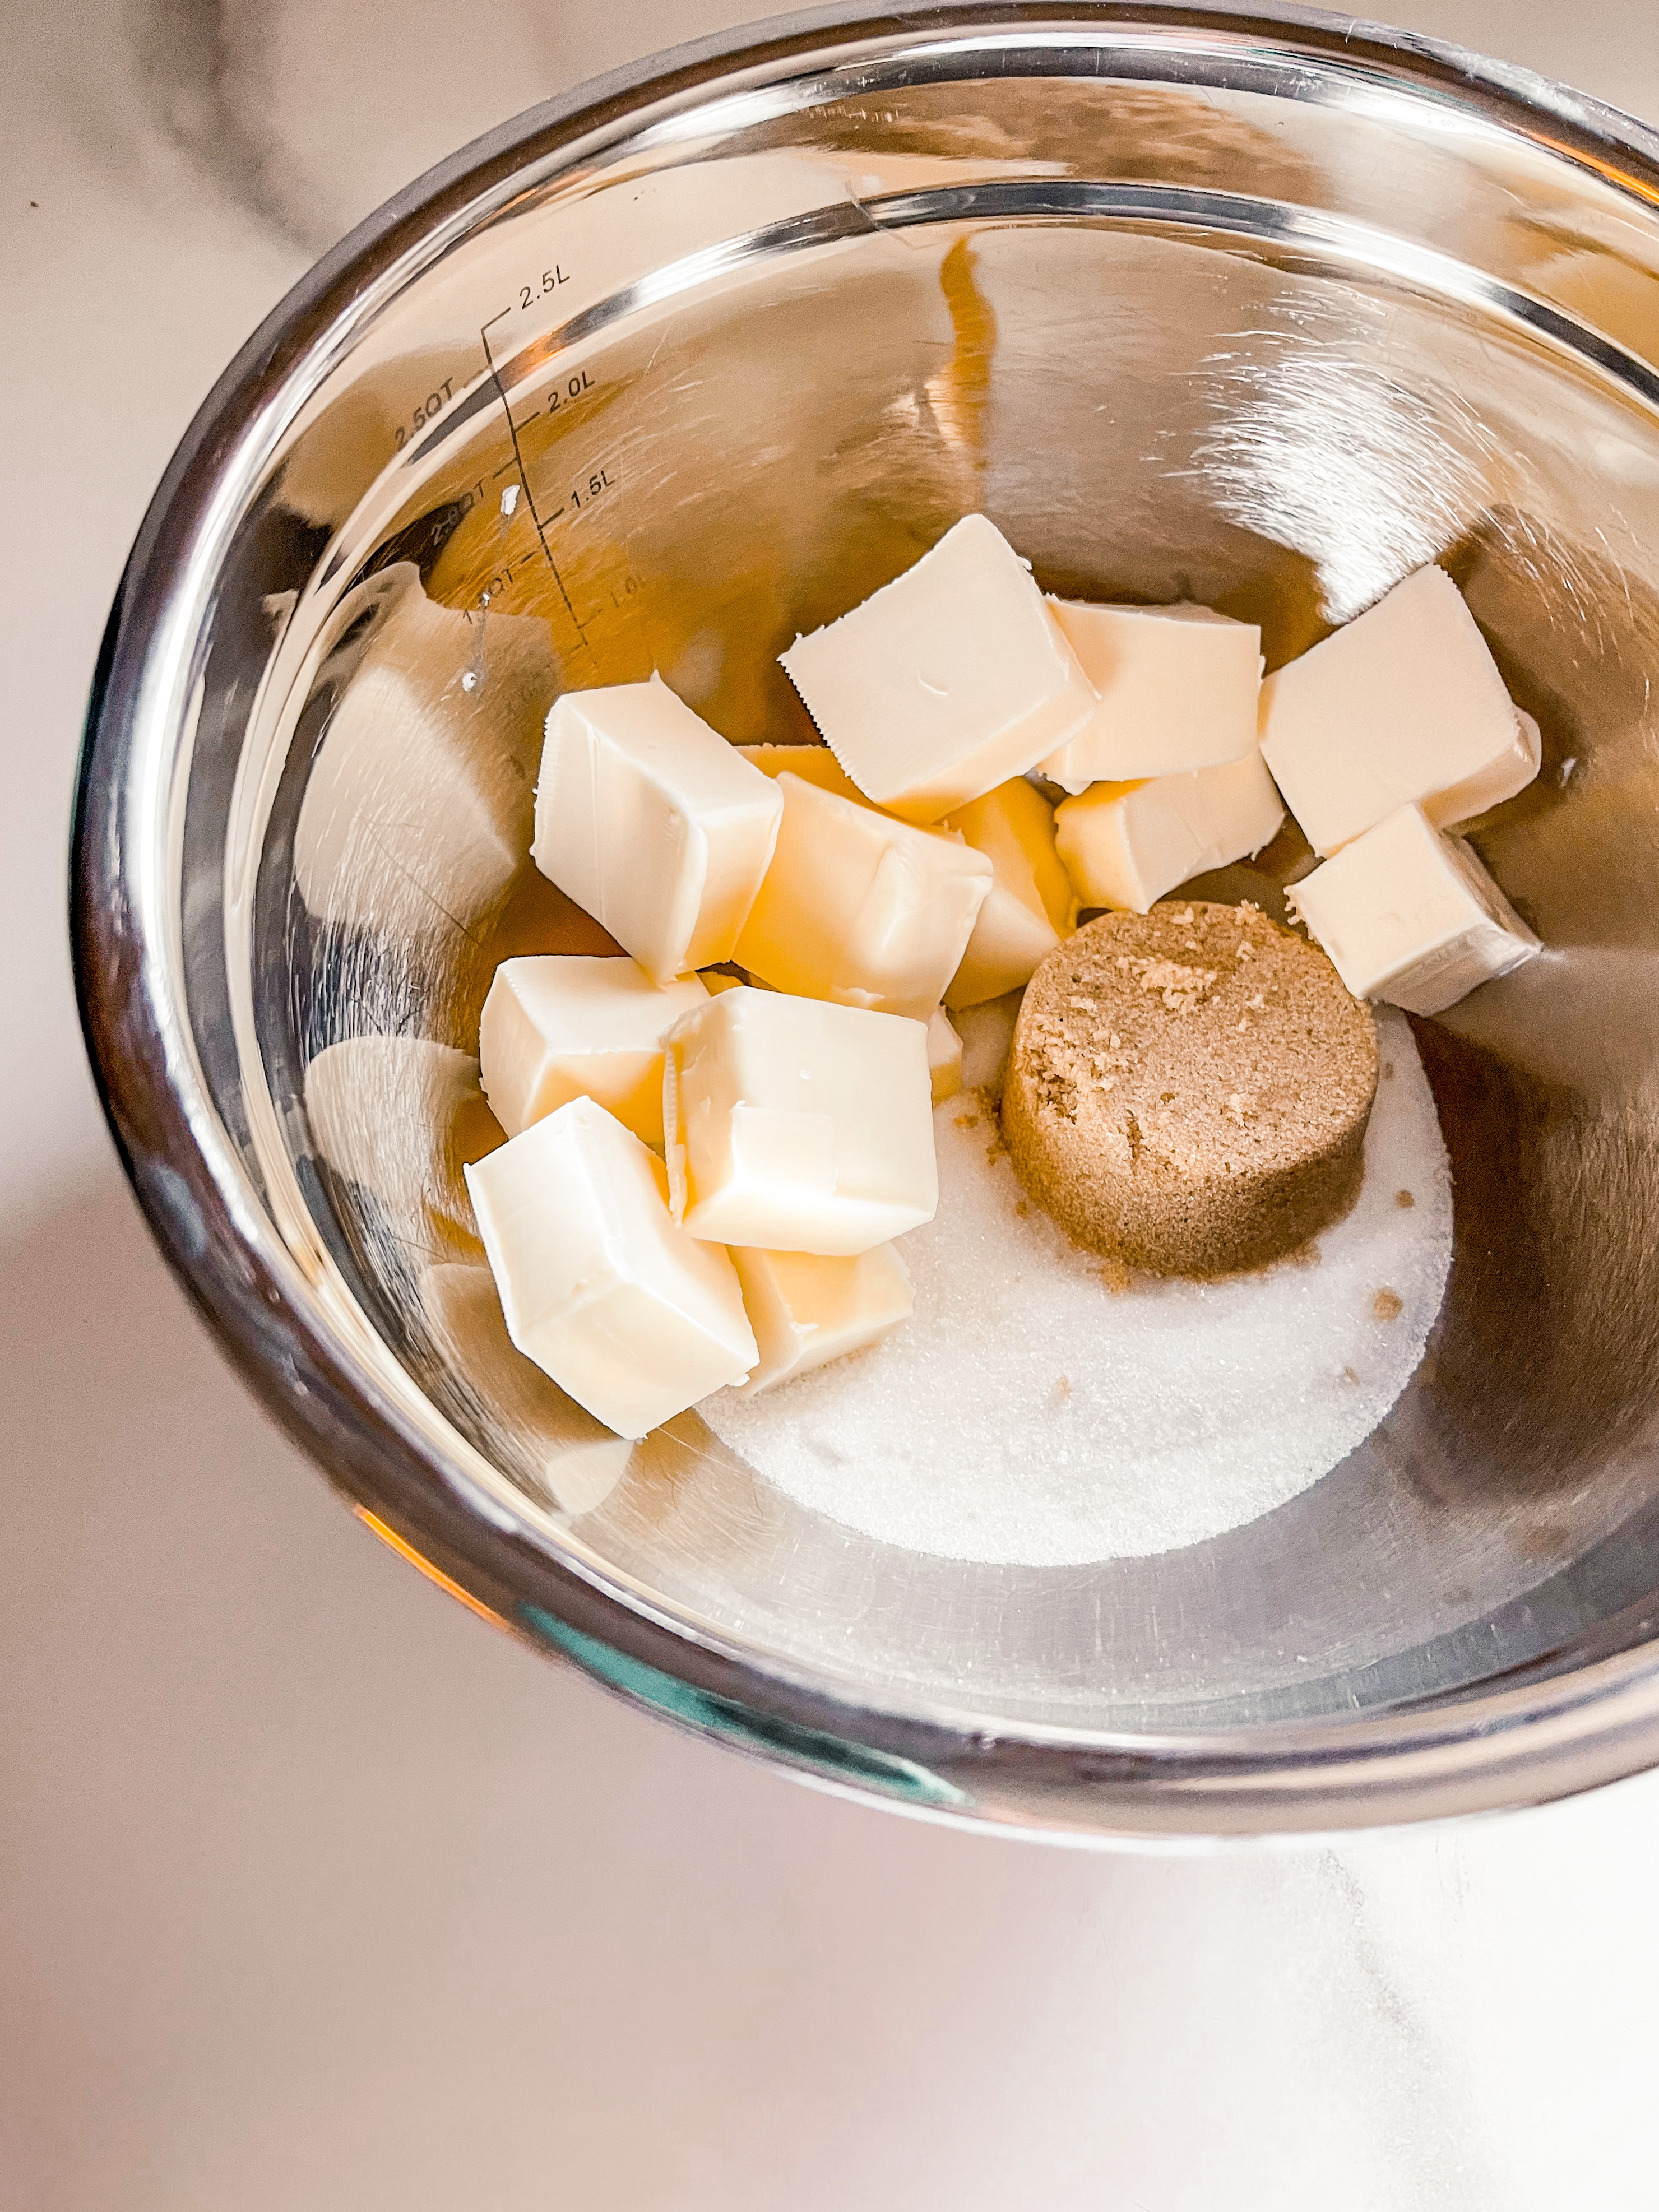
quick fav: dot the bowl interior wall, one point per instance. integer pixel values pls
(1110, 323)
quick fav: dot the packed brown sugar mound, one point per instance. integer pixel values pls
(1188, 1089)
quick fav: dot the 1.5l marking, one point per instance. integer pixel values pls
(584, 495)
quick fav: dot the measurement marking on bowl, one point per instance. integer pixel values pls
(559, 278)
(573, 387)
(428, 411)
(502, 577)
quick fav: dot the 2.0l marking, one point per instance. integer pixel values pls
(572, 388)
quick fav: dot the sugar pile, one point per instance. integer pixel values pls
(1031, 1415)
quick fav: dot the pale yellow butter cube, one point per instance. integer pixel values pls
(1409, 915)
(650, 821)
(600, 1286)
(1125, 844)
(1179, 688)
(1403, 705)
(1031, 904)
(860, 908)
(806, 1310)
(558, 1026)
(944, 1057)
(797, 1125)
(947, 681)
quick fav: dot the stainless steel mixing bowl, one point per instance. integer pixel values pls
(1261, 309)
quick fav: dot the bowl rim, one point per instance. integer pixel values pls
(1480, 1749)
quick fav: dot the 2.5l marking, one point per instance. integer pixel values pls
(550, 280)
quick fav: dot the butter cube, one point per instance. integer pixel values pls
(1125, 844)
(1179, 690)
(944, 1057)
(811, 763)
(649, 819)
(795, 1126)
(558, 1026)
(945, 682)
(599, 1285)
(1030, 905)
(860, 908)
(1409, 915)
(805, 1310)
(1404, 706)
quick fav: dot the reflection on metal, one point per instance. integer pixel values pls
(382, 1110)
(960, 394)
(1610, 293)
(576, 1460)
(1202, 306)
(815, 1752)
(424, 1565)
(417, 809)
(1322, 446)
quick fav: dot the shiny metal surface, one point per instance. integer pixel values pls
(1255, 309)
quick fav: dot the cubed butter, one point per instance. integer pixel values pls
(945, 682)
(558, 1026)
(1179, 689)
(649, 819)
(1403, 705)
(811, 763)
(630, 1315)
(1125, 844)
(1410, 916)
(944, 1057)
(797, 1125)
(860, 908)
(805, 1310)
(1030, 905)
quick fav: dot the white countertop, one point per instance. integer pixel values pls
(315, 1892)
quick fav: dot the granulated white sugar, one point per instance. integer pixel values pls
(1030, 1414)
